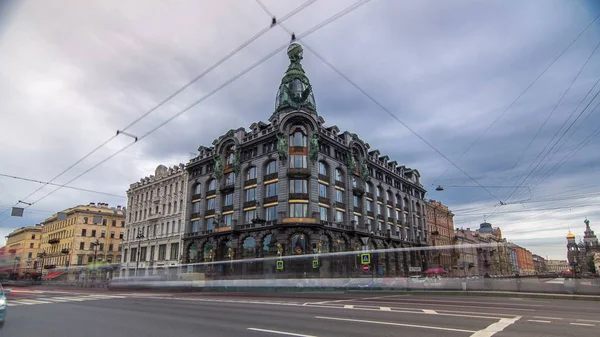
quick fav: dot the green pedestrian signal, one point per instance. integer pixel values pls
(365, 258)
(315, 264)
(280, 265)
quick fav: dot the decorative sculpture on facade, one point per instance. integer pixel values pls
(236, 165)
(365, 175)
(313, 151)
(351, 164)
(218, 166)
(282, 147)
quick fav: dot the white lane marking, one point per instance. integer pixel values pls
(385, 308)
(583, 324)
(588, 320)
(312, 305)
(33, 301)
(496, 327)
(348, 306)
(52, 299)
(448, 305)
(409, 299)
(391, 323)
(281, 332)
(544, 317)
(427, 311)
(538, 321)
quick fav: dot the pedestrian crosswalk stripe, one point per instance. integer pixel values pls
(61, 299)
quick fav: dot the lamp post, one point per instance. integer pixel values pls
(139, 237)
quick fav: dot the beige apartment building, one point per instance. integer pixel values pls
(79, 236)
(22, 248)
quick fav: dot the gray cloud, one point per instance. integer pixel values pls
(446, 69)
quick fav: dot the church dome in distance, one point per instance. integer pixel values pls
(486, 228)
(570, 235)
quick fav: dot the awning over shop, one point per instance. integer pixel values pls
(53, 274)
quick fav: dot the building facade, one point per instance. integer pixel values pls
(540, 264)
(295, 186)
(23, 245)
(80, 236)
(524, 260)
(440, 221)
(558, 266)
(156, 209)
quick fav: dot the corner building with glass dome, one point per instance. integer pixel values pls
(303, 188)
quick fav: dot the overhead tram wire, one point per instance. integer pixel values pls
(171, 96)
(382, 107)
(240, 74)
(552, 112)
(53, 184)
(520, 95)
(545, 156)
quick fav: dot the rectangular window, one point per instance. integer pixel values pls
(31, 245)
(251, 194)
(298, 186)
(174, 251)
(380, 209)
(82, 246)
(270, 190)
(298, 210)
(322, 169)
(227, 219)
(339, 216)
(356, 219)
(210, 204)
(271, 213)
(83, 232)
(379, 226)
(114, 223)
(111, 247)
(339, 196)
(249, 215)
(355, 201)
(369, 206)
(323, 211)
(389, 212)
(104, 221)
(230, 179)
(196, 207)
(85, 220)
(93, 232)
(162, 252)
(322, 190)
(228, 199)
(143, 253)
(298, 161)
(103, 234)
(210, 224)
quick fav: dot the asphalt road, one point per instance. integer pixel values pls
(118, 314)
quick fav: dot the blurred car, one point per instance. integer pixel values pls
(3, 305)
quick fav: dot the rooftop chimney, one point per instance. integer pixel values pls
(118, 207)
(92, 204)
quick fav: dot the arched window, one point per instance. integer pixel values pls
(192, 253)
(389, 196)
(208, 252)
(230, 179)
(269, 246)
(298, 244)
(379, 192)
(229, 157)
(251, 173)
(354, 183)
(298, 138)
(271, 167)
(339, 175)
(212, 185)
(198, 189)
(298, 149)
(249, 247)
(368, 188)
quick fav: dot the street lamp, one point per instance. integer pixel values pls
(95, 244)
(139, 237)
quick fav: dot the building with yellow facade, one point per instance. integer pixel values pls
(22, 248)
(79, 236)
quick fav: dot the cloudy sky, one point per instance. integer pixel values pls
(73, 72)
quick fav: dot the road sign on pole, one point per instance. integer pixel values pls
(365, 258)
(366, 268)
(315, 263)
(280, 265)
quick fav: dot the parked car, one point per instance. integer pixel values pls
(3, 305)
